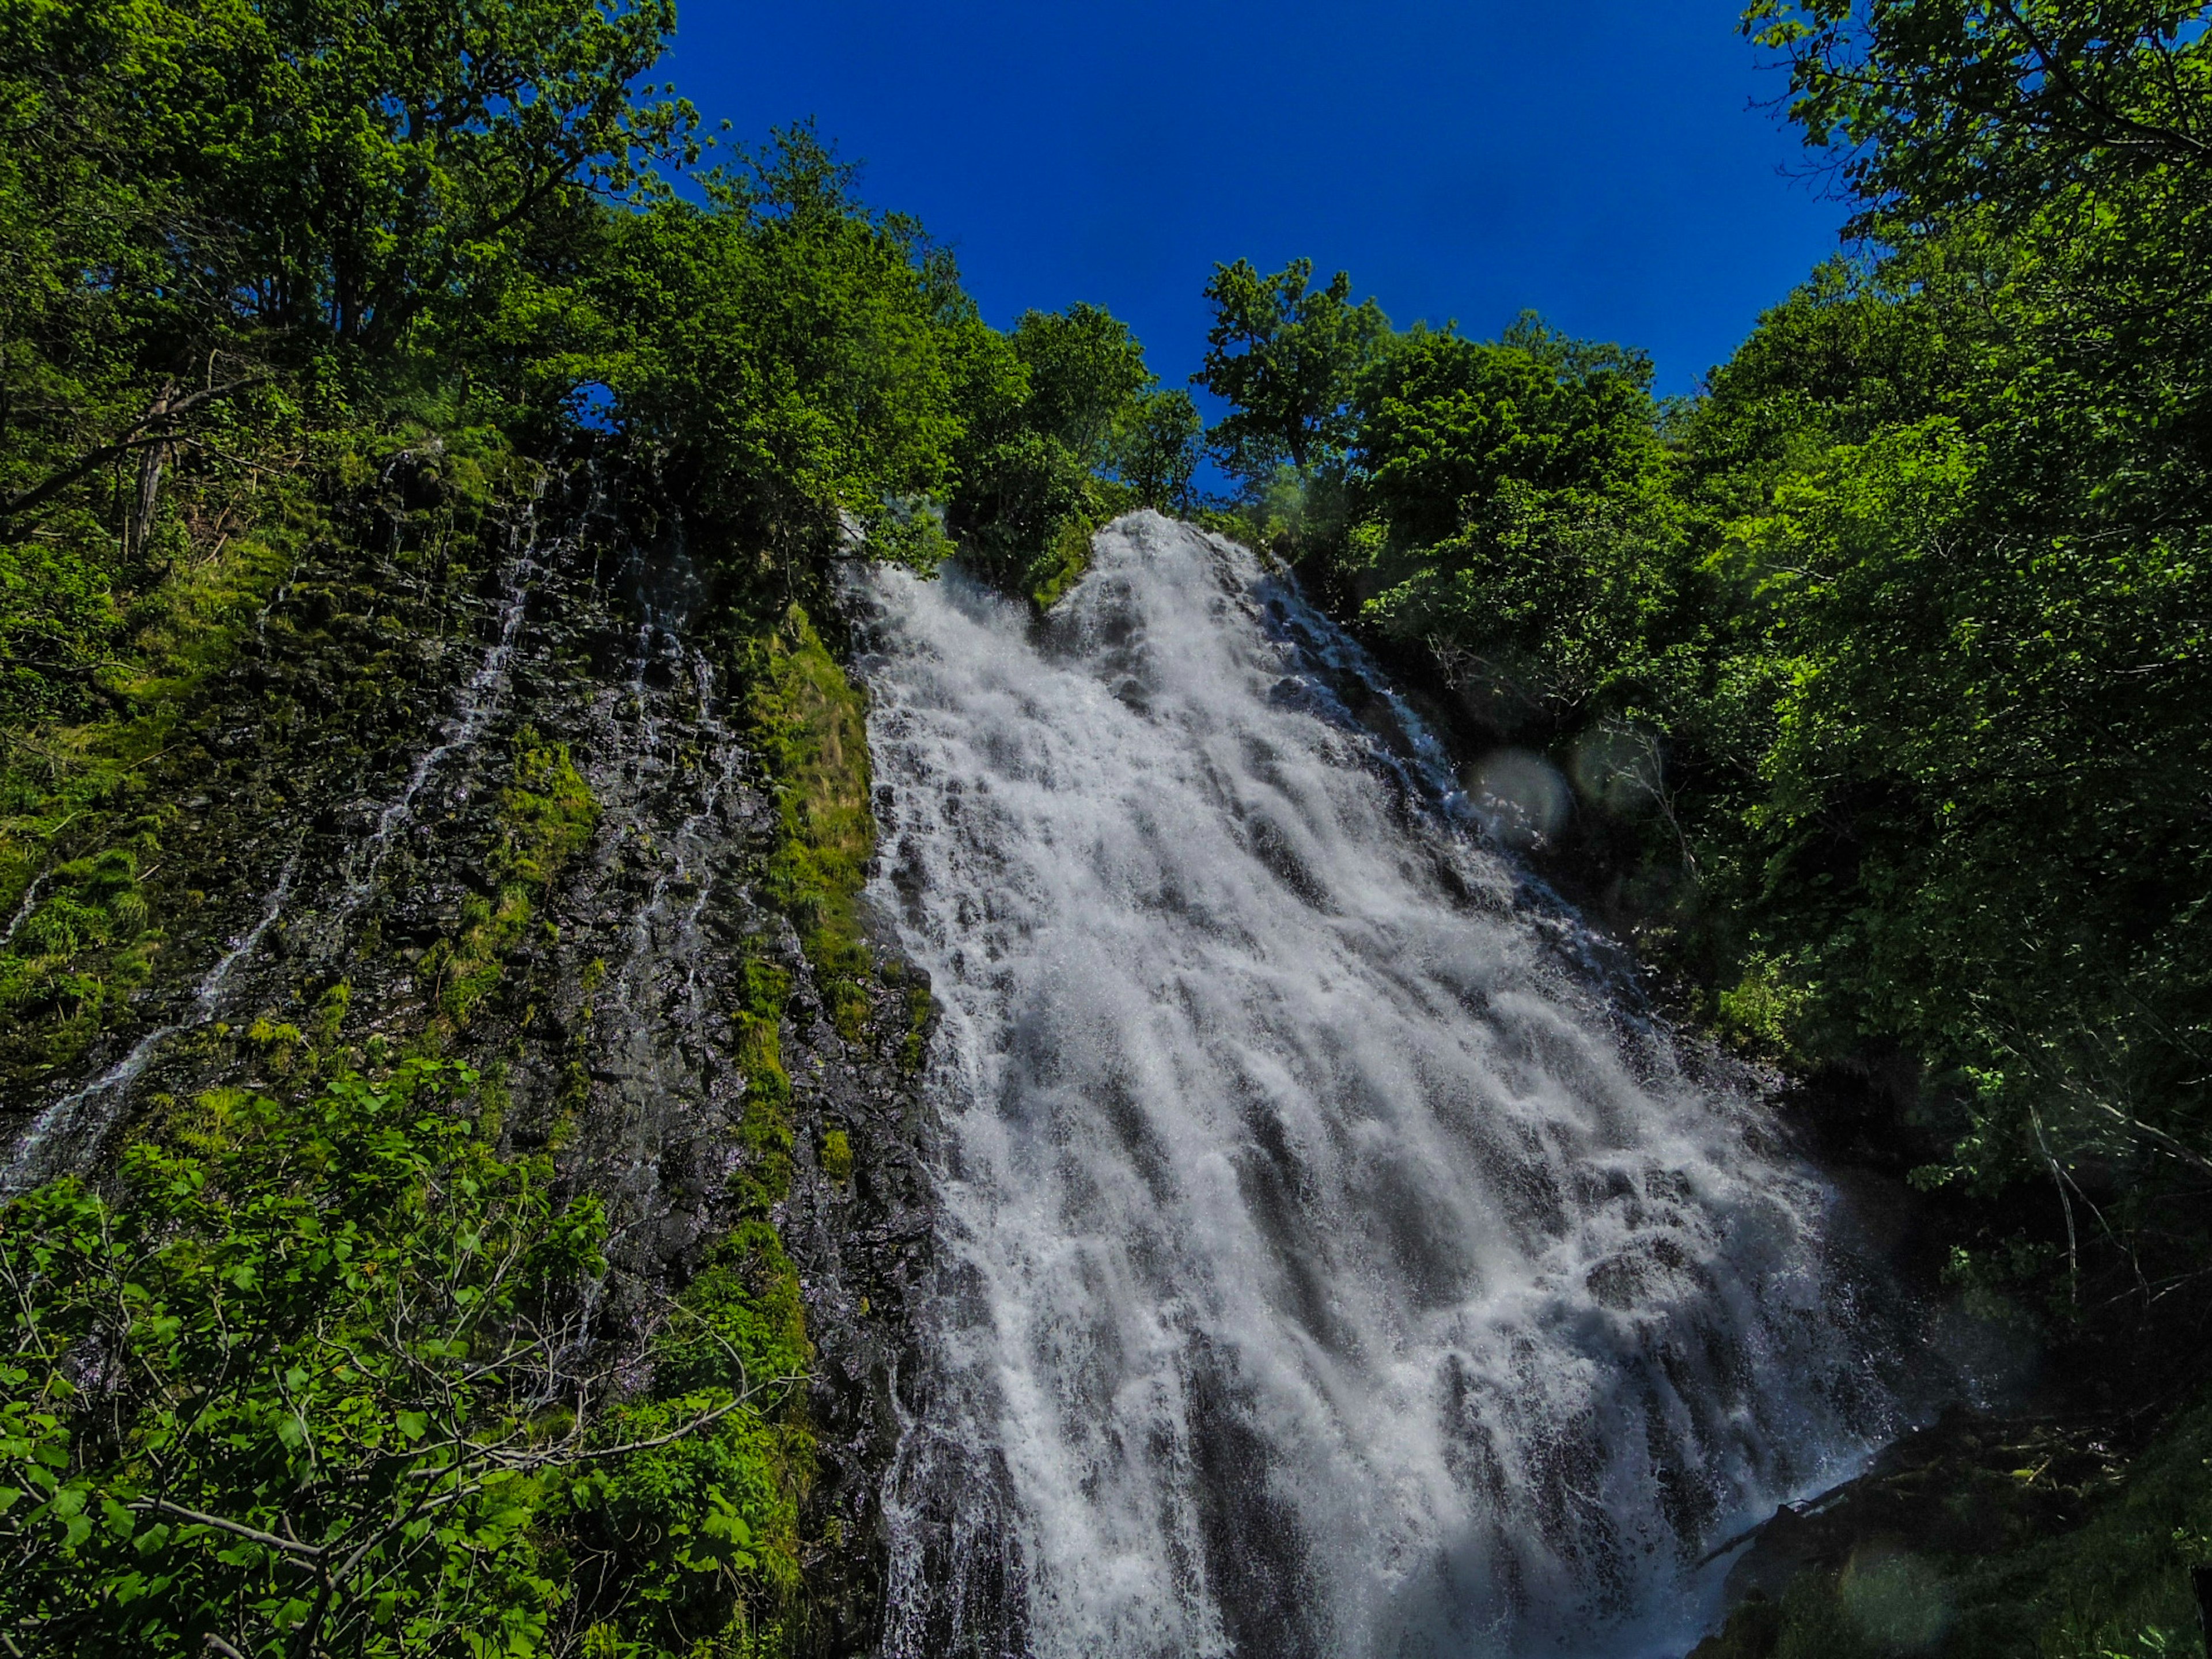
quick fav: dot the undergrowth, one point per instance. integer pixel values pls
(2114, 1586)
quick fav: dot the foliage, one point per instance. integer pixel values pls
(1156, 448)
(1936, 112)
(1284, 354)
(799, 361)
(57, 626)
(1082, 431)
(246, 184)
(1084, 368)
(1986, 591)
(312, 1380)
(2032, 1559)
(1515, 514)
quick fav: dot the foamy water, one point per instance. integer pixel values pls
(1329, 1264)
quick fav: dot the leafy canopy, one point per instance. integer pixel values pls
(1284, 354)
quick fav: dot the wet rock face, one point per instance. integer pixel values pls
(862, 1244)
(1966, 1488)
(341, 817)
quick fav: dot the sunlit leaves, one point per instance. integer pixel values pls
(321, 1383)
(1285, 353)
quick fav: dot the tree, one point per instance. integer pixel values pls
(1085, 368)
(1935, 111)
(793, 354)
(323, 1378)
(1155, 446)
(1285, 356)
(371, 164)
(1442, 422)
(1516, 519)
(199, 201)
(1986, 597)
(1851, 351)
(1079, 428)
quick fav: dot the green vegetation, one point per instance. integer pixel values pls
(544, 815)
(811, 723)
(310, 1379)
(837, 1156)
(1076, 431)
(1285, 353)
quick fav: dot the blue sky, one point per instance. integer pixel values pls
(1598, 163)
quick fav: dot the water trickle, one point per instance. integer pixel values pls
(482, 696)
(1331, 1261)
(69, 1131)
(662, 1028)
(23, 910)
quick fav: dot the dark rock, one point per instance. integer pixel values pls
(611, 1035)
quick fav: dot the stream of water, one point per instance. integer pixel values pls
(70, 1129)
(1332, 1261)
(61, 1135)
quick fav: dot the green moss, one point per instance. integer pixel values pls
(765, 1129)
(704, 1532)
(810, 722)
(90, 926)
(330, 1009)
(546, 814)
(1063, 562)
(920, 1015)
(837, 1156)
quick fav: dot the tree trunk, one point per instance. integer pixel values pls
(141, 528)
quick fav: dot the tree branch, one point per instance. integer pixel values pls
(137, 435)
(238, 1529)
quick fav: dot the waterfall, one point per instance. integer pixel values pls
(1332, 1260)
(64, 1127)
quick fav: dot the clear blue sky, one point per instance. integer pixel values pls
(1599, 163)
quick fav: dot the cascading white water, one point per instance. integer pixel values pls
(1330, 1263)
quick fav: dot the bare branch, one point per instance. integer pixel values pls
(138, 435)
(236, 1528)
